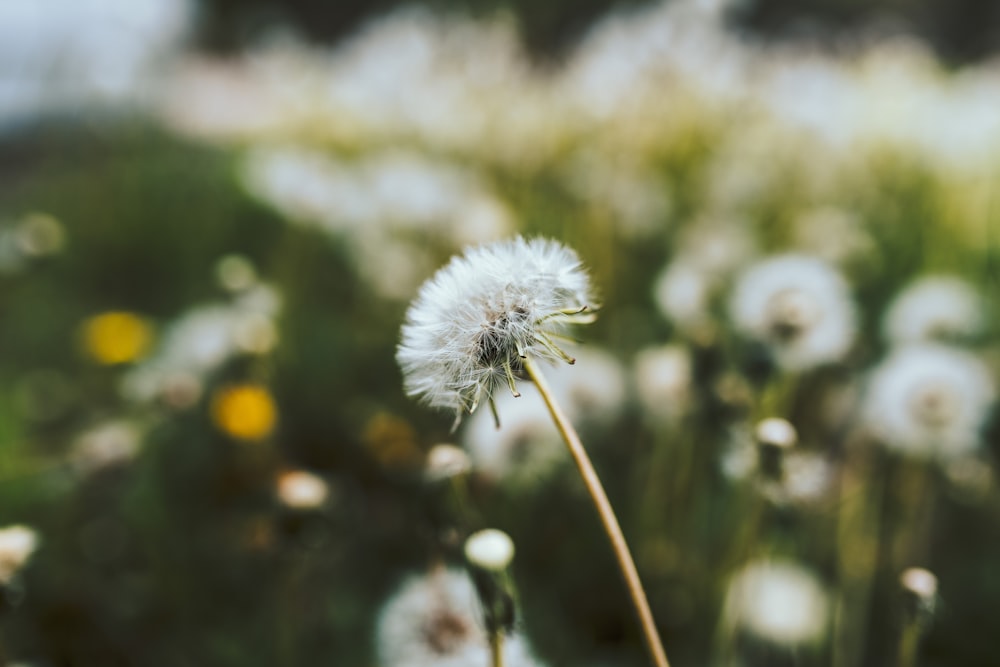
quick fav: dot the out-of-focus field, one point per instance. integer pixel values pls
(205, 262)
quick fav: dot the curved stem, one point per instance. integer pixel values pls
(496, 649)
(608, 519)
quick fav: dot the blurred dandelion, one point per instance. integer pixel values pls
(302, 490)
(929, 401)
(778, 601)
(116, 337)
(17, 543)
(244, 411)
(934, 308)
(663, 380)
(432, 620)
(799, 307)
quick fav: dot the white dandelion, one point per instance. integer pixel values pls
(17, 543)
(663, 381)
(526, 448)
(778, 601)
(929, 401)
(934, 307)
(798, 306)
(434, 620)
(594, 389)
(472, 324)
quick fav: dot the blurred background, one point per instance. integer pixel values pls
(214, 214)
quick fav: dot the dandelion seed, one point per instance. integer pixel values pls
(433, 621)
(474, 321)
(798, 306)
(929, 401)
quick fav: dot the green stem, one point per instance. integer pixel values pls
(606, 513)
(496, 649)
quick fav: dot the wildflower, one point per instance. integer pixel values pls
(17, 543)
(246, 411)
(597, 392)
(302, 490)
(920, 588)
(489, 549)
(432, 620)
(799, 307)
(116, 337)
(526, 448)
(106, 445)
(934, 307)
(445, 461)
(929, 401)
(682, 293)
(778, 601)
(663, 382)
(475, 320)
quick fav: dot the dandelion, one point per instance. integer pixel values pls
(481, 321)
(245, 412)
(929, 401)
(526, 448)
(445, 461)
(17, 543)
(489, 549)
(433, 620)
(116, 337)
(663, 377)
(594, 389)
(476, 320)
(106, 445)
(302, 490)
(799, 307)
(778, 601)
(934, 307)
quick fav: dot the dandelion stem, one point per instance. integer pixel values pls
(909, 641)
(496, 649)
(608, 519)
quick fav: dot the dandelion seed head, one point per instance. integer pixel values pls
(476, 316)
(778, 601)
(526, 448)
(17, 543)
(433, 621)
(445, 461)
(934, 307)
(489, 549)
(929, 401)
(594, 389)
(663, 378)
(302, 490)
(797, 305)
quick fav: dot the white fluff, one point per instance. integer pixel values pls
(934, 307)
(929, 401)
(779, 601)
(433, 621)
(478, 314)
(799, 306)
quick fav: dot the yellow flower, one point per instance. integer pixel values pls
(245, 411)
(116, 337)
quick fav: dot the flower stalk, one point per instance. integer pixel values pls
(606, 513)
